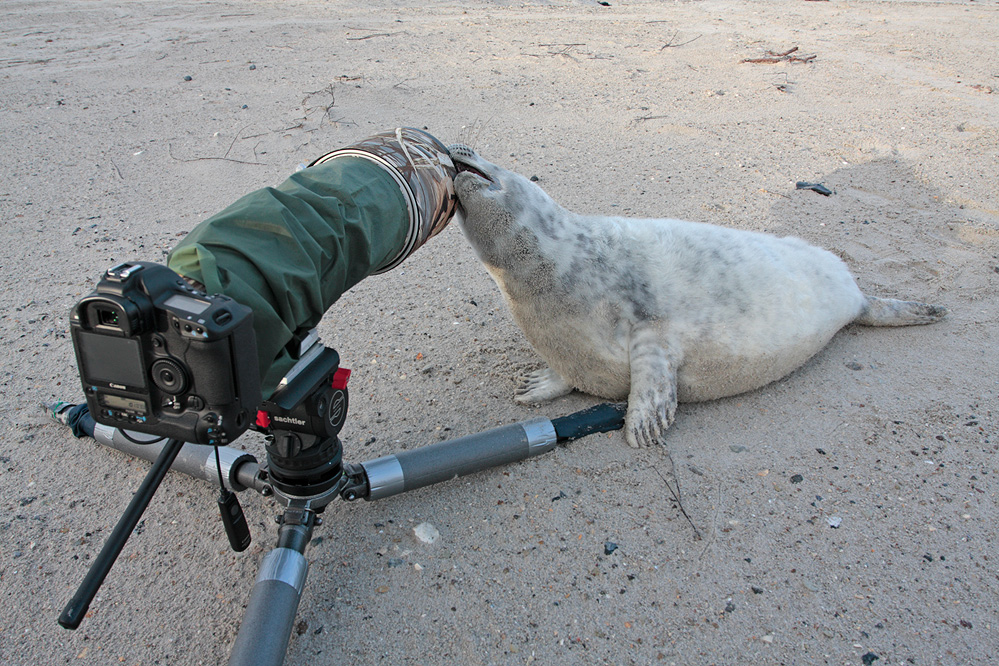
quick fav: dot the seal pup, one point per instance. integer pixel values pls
(655, 311)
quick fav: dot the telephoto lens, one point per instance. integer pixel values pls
(422, 169)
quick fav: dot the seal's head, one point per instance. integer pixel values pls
(482, 187)
(496, 205)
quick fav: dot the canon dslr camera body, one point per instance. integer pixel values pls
(160, 357)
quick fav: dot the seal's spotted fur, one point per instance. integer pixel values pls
(657, 311)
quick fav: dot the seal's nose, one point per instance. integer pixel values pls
(464, 157)
(460, 149)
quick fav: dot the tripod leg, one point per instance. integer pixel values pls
(77, 607)
(270, 614)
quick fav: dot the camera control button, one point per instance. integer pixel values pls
(222, 317)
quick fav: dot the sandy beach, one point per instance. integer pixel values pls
(845, 515)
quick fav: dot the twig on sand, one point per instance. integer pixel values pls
(198, 159)
(671, 45)
(224, 158)
(327, 108)
(643, 118)
(565, 51)
(234, 140)
(786, 56)
(377, 34)
(676, 494)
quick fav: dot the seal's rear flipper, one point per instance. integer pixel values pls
(541, 386)
(893, 312)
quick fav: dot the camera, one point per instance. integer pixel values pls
(158, 356)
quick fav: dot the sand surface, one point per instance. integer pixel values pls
(640, 108)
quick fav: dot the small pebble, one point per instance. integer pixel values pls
(869, 658)
(426, 533)
(834, 521)
(253, 66)
(797, 478)
(737, 448)
(188, 78)
(609, 547)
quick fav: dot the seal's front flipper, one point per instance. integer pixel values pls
(652, 400)
(542, 386)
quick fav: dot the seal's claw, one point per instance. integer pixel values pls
(644, 429)
(541, 386)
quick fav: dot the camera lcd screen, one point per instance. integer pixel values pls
(118, 402)
(108, 358)
(187, 304)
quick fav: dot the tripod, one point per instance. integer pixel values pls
(304, 472)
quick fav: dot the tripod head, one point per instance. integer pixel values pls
(301, 422)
